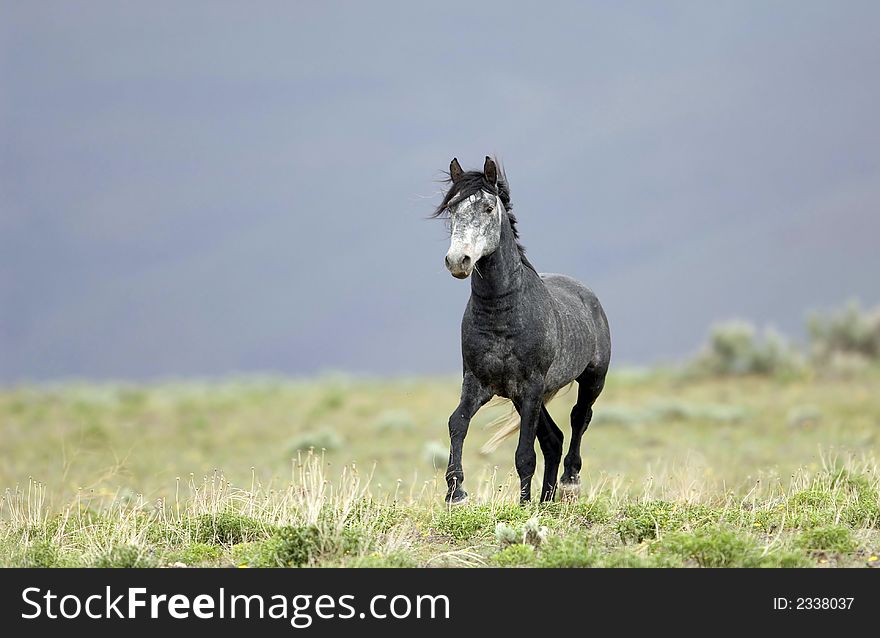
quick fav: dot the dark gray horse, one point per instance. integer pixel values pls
(524, 335)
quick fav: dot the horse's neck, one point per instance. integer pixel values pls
(499, 277)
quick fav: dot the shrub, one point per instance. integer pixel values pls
(226, 528)
(465, 523)
(297, 546)
(294, 546)
(506, 535)
(830, 538)
(840, 497)
(642, 521)
(533, 532)
(196, 554)
(650, 519)
(530, 533)
(248, 554)
(847, 334)
(589, 513)
(332, 399)
(570, 551)
(124, 556)
(40, 554)
(711, 547)
(514, 556)
(381, 519)
(734, 348)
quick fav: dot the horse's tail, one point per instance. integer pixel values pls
(507, 424)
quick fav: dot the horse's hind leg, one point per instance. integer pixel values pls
(550, 439)
(590, 385)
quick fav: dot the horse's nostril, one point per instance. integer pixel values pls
(465, 262)
(448, 263)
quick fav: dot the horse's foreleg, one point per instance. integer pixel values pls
(473, 396)
(529, 407)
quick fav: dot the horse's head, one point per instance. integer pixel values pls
(475, 212)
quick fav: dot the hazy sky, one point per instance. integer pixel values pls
(212, 188)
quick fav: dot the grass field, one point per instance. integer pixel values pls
(679, 471)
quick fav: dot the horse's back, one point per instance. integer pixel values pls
(585, 340)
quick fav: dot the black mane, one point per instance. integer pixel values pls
(473, 182)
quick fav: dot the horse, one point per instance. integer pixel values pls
(524, 335)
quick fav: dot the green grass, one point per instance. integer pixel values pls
(679, 472)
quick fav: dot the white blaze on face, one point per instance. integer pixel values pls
(476, 232)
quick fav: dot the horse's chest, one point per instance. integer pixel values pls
(498, 364)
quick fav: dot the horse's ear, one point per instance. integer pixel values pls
(490, 171)
(455, 171)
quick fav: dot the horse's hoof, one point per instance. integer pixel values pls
(459, 498)
(569, 492)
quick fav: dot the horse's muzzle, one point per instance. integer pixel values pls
(459, 265)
